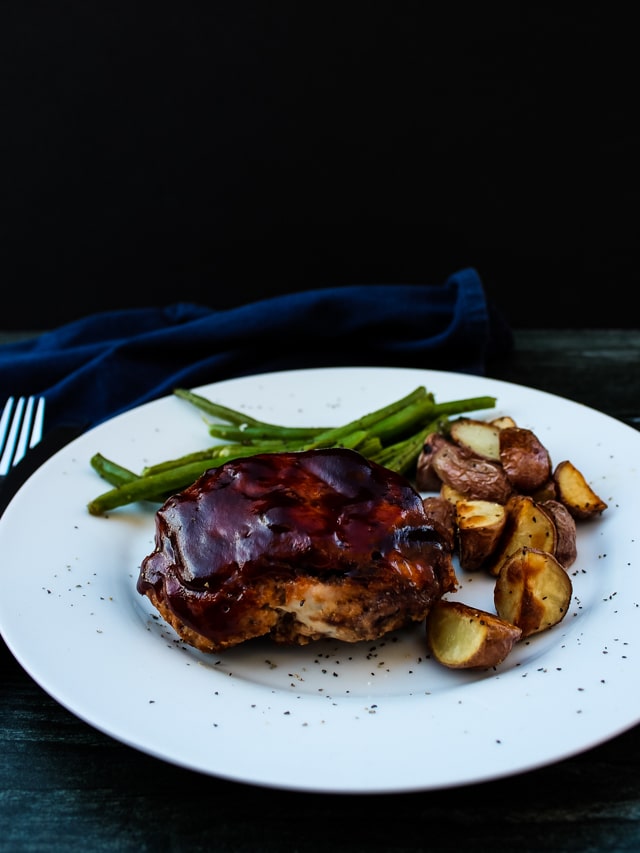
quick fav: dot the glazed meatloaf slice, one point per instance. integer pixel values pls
(296, 546)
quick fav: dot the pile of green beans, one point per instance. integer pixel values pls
(392, 436)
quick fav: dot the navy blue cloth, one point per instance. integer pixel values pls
(106, 363)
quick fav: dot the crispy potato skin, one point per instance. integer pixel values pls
(441, 514)
(470, 474)
(546, 492)
(532, 591)
(464, 637)
(427, 479)
(524, 458)
(566, 550)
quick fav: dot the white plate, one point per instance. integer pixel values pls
(374, 717)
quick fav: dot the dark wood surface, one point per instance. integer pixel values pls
(66, 786)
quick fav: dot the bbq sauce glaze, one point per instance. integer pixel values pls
(260, 523)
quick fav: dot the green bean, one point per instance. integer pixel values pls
(335, 435)
(369, 446)
(196, 456)
(216, 454)
(393, 436)
(148, 487)
(111, 471)
(232, 416)
(353, 440)
(155, 487)
(439, 413)
(468, 404)
(402, 423)
(243, 421)
(269, 432)
(403, 455)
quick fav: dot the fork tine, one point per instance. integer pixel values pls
(4, 422)
(38, 424)
(23, 432)
(12, 434)
(25, 426)
(31, 430)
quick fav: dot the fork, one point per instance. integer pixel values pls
(20, 430)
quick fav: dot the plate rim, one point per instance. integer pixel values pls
(412, 782)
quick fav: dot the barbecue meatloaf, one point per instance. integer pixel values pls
(296, 546)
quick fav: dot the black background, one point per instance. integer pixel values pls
(224, 152)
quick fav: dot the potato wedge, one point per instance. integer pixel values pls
(480, 524)
(470, 474)
(464, 637)
(528, 526)
(524, 458)
(575, 493)
(481, 437)
(532, 591)
(566, 550)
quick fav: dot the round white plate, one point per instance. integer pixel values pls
(372, 717)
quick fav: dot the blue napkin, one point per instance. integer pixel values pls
(106, 363)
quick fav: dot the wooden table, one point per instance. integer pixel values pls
(66, 786)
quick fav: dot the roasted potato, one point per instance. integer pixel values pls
(575, 493)
(450, 494)
(527, 525)
(470, 474)
(566, 549)
(464, 637)
(532, 591)
(427, 478)
(546, 492)
(525, 460)
(481, 437)
(479, 524)
(503, 421)
(514, 516)
(442, 516)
